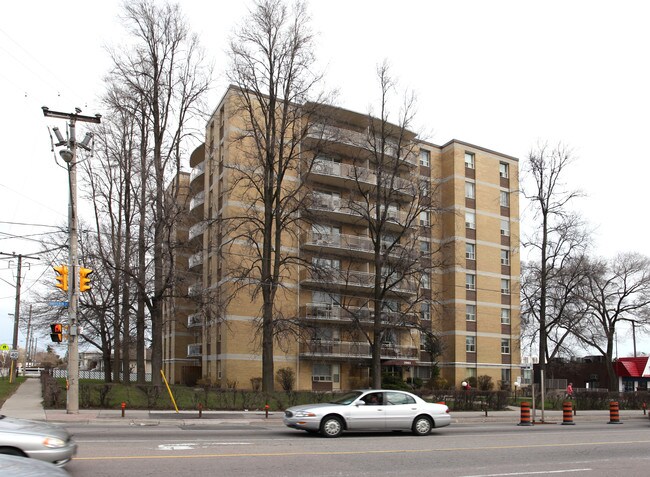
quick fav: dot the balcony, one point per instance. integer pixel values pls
(197, 176)
(346, 175)
(197, 171)
(194, 350)
(326, 312)
(194, 320)
(195, 260)
(349, 141)
(335, 208)
(352, 281)
(353, 349)
(197, 200)
(197, 230)
(194, 290)
(361, 246)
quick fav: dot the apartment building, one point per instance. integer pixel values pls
(437, 236)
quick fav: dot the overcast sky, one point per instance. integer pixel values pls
(504, 75)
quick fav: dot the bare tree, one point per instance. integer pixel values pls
(567, 274)
(165, 74)
(558, 241)
(396, 206)
(272, 62)
(618, 290)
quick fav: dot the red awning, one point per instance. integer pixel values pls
(631, 367)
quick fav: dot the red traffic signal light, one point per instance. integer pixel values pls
(57, 332)
(61, 277)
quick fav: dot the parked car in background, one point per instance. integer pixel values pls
(369, 410)
(15, 466)
(37, 440)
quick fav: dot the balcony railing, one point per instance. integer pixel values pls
(357, 139)
(327, 203)
(362, 175)
(197, 200)
(194, 290)
(197, 171)
(195, 260)
(194, 350)
(196, 230)
(354, 349)
(194, 320)
(353, 243)
(332, 276)
(329, 312)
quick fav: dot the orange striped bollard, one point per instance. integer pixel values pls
(525, 414)
(567, 414)
(614, 418)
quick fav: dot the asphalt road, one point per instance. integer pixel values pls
(270, 450)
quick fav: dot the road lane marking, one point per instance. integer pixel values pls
(199, 445)
(367, 452)
(544, 472)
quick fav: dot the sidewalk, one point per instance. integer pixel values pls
(26, 403)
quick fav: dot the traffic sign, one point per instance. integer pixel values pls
(4, 347)
(58, 303)
(13, 354)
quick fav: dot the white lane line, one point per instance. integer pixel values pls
(562, 471)
(198, 445)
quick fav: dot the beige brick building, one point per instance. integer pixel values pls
(470, 298)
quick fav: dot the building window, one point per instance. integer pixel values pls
(470, 220)
(470, 251)
(424, 187)
(470, 344)
(505, 345)
(425, 158)
(425, 247)
(504, 199)
(470, 281)
(505, 227)
(503, 170)
(470, 190)
(505, 286)
(505, 377)
(425, 218)
(469, 160)
(471, 372)
(321, 372)
(470, 312)
(505, 257)
(505, 316)
(426, 281)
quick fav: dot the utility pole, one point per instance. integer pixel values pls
(27, 338)
(14, 359)
(69, 155)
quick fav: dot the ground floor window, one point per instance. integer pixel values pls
(423, 372)
(321, 372)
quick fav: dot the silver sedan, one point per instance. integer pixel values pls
(38, 440)
(369, 410)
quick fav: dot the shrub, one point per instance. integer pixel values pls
(484, 383)
(256, 383)
(286, 377)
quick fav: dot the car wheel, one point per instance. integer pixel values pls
(331, 426)
(422, 425)
(12, 451)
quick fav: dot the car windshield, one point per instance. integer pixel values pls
(347, 398)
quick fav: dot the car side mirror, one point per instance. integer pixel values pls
(360, 403)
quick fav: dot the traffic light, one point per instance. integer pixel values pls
(61, 277)
(57, 332)
(84, 280)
